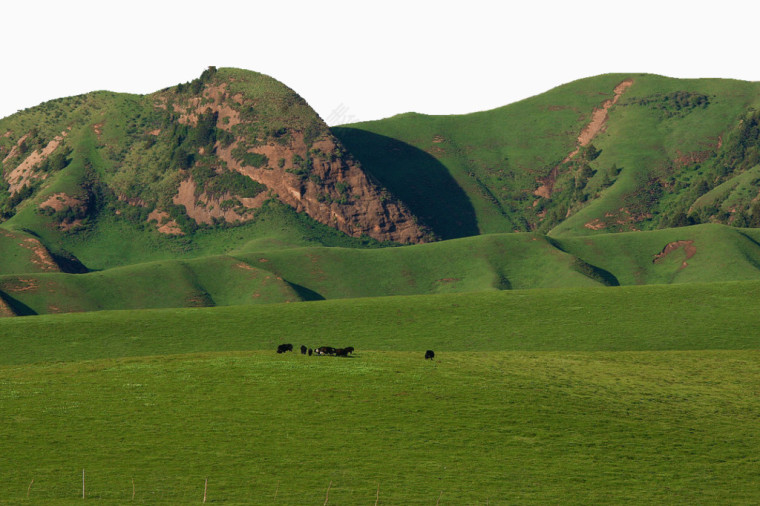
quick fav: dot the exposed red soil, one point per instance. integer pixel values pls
(368, 211)
(20, 285)
(14, 149)
(40, 255)
(5, 309)
(623, 216)
(337, 192)
(59, 201)
(19, 176)
(204, 208)
(590, 131)
(684, 159)
(165, 224)
(215, 98)
(595, 224)
(688, 246)
(244, 266)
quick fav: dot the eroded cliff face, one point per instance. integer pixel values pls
(207, 152)
(330, 187)
(302, 165)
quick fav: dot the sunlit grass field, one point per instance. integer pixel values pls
(607, 395)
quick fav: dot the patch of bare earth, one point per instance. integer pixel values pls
(19, 176)
(40, 255)
(216, 98)
(15, 149)
(688, 247)
(204, 208)
(17, 285)
(623, 217)
(5, 309)
(59, 201)
(164, 223)
(590, 131)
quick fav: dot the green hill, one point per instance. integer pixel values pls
(617, 152)
(229, 190)
(261, 272)
(106, 168)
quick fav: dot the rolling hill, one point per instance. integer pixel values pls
(617, 152)
(230, 190)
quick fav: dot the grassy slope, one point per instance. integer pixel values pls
(486, 150)
(266, 270)
(160, 398)
(494, 158)
(644, 144)
(657, 317)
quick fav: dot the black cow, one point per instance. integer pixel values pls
(350, 349)
(342, 352)
(430, 354)
(310, 351)
(303, 350)
(284, 347)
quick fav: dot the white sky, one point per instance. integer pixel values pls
(359, 60)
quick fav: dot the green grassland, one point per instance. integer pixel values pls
(625, 394)
(268, 270)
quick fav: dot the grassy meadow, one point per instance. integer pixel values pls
(623, 394)
(288, 268)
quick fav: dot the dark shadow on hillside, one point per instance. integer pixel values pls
(417, 178)
(598, 274)
(305, 293)
(68, 263)
(18, 307)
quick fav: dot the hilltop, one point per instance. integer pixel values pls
(201, 155)
(617, 152)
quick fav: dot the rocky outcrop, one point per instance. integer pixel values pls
(310, 172)
(330, 187)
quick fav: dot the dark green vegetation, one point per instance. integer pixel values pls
(536, 396)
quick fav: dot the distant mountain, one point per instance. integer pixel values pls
(617, 152)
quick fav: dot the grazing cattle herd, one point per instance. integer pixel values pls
(333, 352)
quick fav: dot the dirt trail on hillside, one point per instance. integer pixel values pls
(595, 126)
